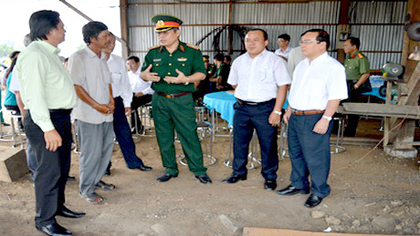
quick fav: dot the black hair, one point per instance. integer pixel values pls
(206, 56)
(135, 58)
(10, 69)
(228, 58)
(13, 54)
(219, 57)
(354, 41)
(323, 36)
(42, 22)
(263, 31)
(284, 36)
(92, 30)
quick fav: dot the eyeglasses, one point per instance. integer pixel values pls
(308, 42)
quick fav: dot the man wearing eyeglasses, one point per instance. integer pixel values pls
(260, 80)
(319, 84)
(284, 50)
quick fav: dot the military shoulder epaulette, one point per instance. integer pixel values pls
(154, 47)
(360, 55)
(193, 46)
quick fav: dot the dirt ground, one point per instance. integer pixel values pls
(371, 193)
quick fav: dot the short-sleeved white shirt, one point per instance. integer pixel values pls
(317, 82)
(258, 78)
(121, 83)
(90, 72)
(14, 82)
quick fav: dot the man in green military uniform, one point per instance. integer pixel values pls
(174, 66)
(357, 73)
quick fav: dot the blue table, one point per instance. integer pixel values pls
(222, 102)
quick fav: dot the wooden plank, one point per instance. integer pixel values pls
(384, 110)
(248, 231)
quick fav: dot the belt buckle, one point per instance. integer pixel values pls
(252, 103)
(169, 95)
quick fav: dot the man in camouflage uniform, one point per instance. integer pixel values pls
(174, 66)
(357, 73)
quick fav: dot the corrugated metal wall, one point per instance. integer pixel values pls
(276, 18)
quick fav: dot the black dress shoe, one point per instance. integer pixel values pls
(205, 179)
(234, 178)
(165, 177)
(290, 190)
(270, 184)
(143, 168)
(65, 212)
(54, 230)
(313, 201)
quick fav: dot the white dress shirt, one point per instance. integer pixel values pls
(283, 54)
(91, 72)
(14, 82)
(138, 84)
(258, 78)
(121, 83)
(317, 82)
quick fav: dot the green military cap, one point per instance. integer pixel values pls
(165, 22)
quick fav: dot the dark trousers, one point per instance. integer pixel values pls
(53, 167)
(310, 154)
(352, 120)
(123, 135)
(246, 119)
(135, 104)
(170, 114)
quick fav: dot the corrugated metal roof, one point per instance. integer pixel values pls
(368, 20)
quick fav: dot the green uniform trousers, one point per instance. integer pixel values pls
(178, 114)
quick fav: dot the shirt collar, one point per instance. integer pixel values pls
(258, 56)
(50, 48)
(92, 53)
(317, 60)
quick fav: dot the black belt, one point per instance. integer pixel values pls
(242, 102)
(173, 95)
(61, 111)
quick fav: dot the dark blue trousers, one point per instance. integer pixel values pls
(123, 134)
(52, 167)
(310, 154)
(246, 119)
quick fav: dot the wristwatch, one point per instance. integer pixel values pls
(327, 118)
(277, 112)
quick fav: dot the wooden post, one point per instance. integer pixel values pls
(124, 28)
(342, 29)
(230, 30)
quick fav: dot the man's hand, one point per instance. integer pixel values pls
(150, 76)
(286, 116)
(103, 108)
(180, 79)
(321, 126)
(140, 94)
(274, 119)
(127, 111)
(52, 140)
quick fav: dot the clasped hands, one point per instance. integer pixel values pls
(153, 76)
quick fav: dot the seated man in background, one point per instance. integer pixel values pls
(142, 92)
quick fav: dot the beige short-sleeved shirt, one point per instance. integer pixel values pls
(90, 72)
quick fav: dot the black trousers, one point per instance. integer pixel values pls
(352, 120)
(136, 103)
(53, 167)
(246, 119)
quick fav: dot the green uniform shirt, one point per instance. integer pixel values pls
(185, 58)
(356, 65)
